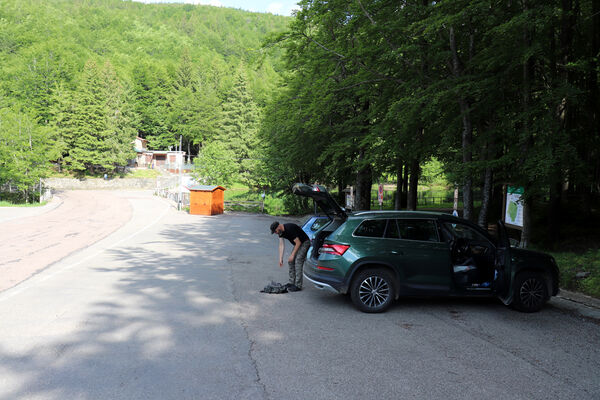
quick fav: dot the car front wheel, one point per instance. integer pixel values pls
(372, 290)
(531, 292)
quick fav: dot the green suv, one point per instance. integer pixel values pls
(378, 256)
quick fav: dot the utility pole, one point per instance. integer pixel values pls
(180, 162)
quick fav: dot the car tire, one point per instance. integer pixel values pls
(531, 292)
(373, 290)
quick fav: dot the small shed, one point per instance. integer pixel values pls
(206, 200)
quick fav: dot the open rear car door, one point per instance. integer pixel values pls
(322, 198)
(503, 279)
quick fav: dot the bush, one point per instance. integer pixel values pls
(570, 264)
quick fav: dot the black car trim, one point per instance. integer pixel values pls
(339, 285)
(320, 285)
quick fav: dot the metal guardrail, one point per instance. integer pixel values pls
(173, 195)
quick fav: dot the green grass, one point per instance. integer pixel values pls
(136, 173)
(4, 203)
(143, 173)
(238, 192)
(571, 263)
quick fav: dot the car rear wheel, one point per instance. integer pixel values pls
(373, 290)
(531, 292)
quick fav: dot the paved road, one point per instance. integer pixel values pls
(32, 242)
(168, 307)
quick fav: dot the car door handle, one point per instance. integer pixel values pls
(397, 253)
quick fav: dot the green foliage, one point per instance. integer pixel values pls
(98, 73)
(432, 173)
(238, 126)
(24, 151)
(504, 90)
(216, 165)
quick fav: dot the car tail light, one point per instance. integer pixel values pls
(335, 249)
(324, 268)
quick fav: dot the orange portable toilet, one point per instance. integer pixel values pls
(206, 200)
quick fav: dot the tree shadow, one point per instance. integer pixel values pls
(169, 327)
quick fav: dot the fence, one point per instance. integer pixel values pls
(38, 192)
(423, 199)
(180, 199)
(245, 205)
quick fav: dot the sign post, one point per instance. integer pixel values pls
(455, 205)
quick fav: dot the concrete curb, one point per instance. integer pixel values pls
(582, 305)
(12, 213)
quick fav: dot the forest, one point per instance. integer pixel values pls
(79, 80)
(500, 91)
(342, 93)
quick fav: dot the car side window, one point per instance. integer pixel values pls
(418, 229)
(391, 232)
(371, 228)
(465, 232)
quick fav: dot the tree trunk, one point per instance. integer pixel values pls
(526, 232)
(341, 193)
(364, 182)
(486, 199)
(404, 199)
(528, 70)
(554, 212)
(467, 133)
(399, 184)
(413, 185)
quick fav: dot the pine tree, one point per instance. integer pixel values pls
(90, 149)
(120, 120)
(239, 124)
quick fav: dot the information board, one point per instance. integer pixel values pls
(513, 212)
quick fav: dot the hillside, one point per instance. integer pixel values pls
(85, 77)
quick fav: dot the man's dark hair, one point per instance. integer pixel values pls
(274, 226)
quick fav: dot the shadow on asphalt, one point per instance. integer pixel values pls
(171, 320)
(174, 313)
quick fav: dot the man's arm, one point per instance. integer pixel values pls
(281, 246)
(297, 244)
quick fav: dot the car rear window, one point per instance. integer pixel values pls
(371, 228)
(319, 223)
(418, 229)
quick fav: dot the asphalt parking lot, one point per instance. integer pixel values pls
(167, 306)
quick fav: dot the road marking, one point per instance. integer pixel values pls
(23, 285)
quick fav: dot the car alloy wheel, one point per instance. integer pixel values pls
(372, 290)
(531, 292)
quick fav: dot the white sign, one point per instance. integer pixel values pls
(513, 214)
(350, 198)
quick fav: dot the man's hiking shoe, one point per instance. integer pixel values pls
(293, 288)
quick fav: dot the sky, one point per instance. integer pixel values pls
(279, 7)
